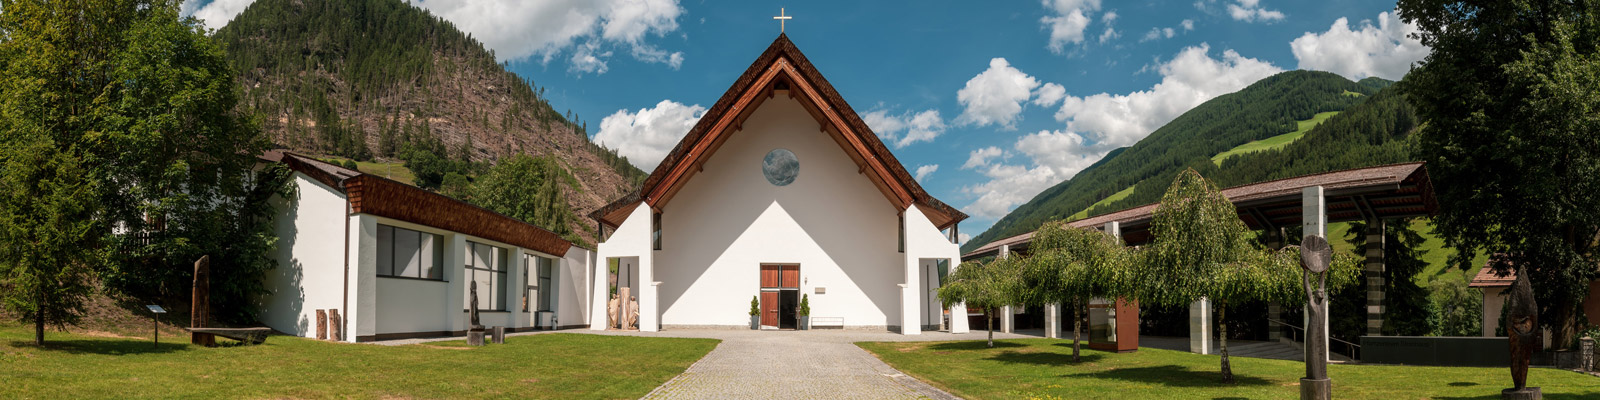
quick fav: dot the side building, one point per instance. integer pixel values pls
(397, 261)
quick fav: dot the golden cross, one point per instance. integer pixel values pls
(782, 19)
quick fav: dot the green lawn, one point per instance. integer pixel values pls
(1275, 142)
(1124, 193)
(535, 366)
(1042, 369)
(395, 170)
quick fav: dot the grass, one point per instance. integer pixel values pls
(534, 366)
(1113, 197)
(1275, 142)
(1350, 94)
(396, 171)
(1043, 369)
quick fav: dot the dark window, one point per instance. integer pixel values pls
(406, 253)
(547, 291)
(655, 228)
(902, 233)
(539, 294)
(485, 267)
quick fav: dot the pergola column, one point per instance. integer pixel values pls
(1374, 273)
(1274, 310)
(1006, 317)
(1052, 320)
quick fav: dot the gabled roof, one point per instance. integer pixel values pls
(781, 70)
(374, 195)
(1493, 275)
(1385, 191)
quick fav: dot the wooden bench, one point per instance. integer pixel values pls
(245, 335)
(827, 322)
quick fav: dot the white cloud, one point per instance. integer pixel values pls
(919, 127)
(1109, 34)
(1188, 24)
(980, 157)
(1251, 11)
(1049, 94)
(1109, 16)
(963, 238)
(924, 170)
(645, 137)
(995, 96)
(1190, 78)
(1386, 50)
(1054, 156)
(215, 14)
(1067, 20)
(518, 29)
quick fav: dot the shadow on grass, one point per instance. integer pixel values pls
(1463, 384)
(113, 347)
(1044, 358)
(1172, 375)
(973, 345)
(1496, 395)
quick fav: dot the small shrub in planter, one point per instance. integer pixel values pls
(755, 312)
(805, 312)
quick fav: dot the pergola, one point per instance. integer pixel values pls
(1373, 194)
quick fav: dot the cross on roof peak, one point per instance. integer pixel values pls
(782, 19)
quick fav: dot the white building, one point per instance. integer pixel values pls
(780, 190)
(396, 261)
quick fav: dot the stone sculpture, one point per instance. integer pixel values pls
(613, 311)
(474, 330)
(633, 313)
(623, 294)
(1522, 325)
(1315, 257)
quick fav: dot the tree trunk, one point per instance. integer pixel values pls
(1077, 329)
(1222, 338)
(38, 320)
(988, 320)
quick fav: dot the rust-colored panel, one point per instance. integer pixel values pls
(769, 276)
(791, 276)
(769, 308)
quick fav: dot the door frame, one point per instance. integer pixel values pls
(776, 284)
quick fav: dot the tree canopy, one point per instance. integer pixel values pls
(1072, 266)
(1511, 96)
(986, 286)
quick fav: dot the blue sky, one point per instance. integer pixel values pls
(988, 102)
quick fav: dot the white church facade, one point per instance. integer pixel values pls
(780, 192)
(396, 261)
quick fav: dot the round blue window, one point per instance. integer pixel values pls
(780, 167)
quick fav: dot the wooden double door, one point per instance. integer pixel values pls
(780, 295)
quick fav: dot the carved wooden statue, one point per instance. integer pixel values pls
(200, 302)
(633, 313)
(613, 311)
(1315, 257)
(1522, 325)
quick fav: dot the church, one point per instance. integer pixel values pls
(779, 194)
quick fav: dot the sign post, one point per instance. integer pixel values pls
(155, 321)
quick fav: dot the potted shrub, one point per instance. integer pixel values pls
(805, 312)
(755, 312)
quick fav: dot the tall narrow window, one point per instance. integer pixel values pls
(547, 288)
(406, 253)
(902, 227)
(540, 295)
(655, 228)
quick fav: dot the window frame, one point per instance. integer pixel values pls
(424, 273)
(469, 268)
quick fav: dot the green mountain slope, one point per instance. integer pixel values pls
(1367, 131)
(368, 79)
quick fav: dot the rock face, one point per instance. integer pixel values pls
(322, 74)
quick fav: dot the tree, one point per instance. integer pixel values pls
(143, 105)
(1406, 308)
(1072, 266)
(1201, 250)
(985, 286)
(48, 235)
(1511, 96)
(529, 189)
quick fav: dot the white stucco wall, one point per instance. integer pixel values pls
(412, 305)
(632, 241)
(1493, 301)
(728, 220)
(310, 257)
(573, 282)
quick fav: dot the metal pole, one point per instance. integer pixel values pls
(155, 325)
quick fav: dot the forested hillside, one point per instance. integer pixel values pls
(1370, 129)
(384, 80)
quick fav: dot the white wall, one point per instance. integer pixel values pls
(1493, 300)
(728, 220)
(412, 305)
(572, 286)
(923, 242)
(631, 240)
(310, 257)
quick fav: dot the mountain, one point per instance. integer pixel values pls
(371, 80)
(1293, 123)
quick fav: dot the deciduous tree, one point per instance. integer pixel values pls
(987, 286)
(1073, 266)
(1511, 96)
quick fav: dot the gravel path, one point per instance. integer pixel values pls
(821, 364)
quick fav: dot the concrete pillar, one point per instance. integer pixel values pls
(1374, 273)
(1200, 326)
(1052, 320)
(1006, 317)
(1314, 221)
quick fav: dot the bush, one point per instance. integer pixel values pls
(755, 305)
(805, 305)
